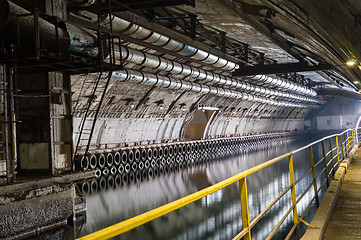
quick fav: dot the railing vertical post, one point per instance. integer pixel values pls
(244, 207)
(293, 192)
(343, 155)
(325, 162)
(331, 152)
(314, 176)
(338, 151)
(353, 138)
(347, 142)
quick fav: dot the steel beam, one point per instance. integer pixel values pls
(279, 68)
(126, 5)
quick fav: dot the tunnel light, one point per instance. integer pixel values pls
(356, 82)
(351, 62)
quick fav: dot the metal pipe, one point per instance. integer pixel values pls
(283, 83)
(166, 82)
(14, 20)
(125, 27)
(163, 64)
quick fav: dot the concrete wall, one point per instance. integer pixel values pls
(27, 211)
(339, 113)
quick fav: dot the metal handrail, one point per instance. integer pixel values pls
(345, 146)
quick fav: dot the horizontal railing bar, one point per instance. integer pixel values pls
(141, 219)
(136, 221)
(319, 174)
(323, 183)
(304, 175)
(241, 234)
(304, 193)
(280, 223)
(320, 161)
(320, 140)
(269, 207)
(291, 231)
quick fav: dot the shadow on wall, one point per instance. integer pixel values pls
(196, 128)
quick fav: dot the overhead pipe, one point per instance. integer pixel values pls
(71, 39)
(133, 30)
(166, 82)
(164, 64)
(283, 83)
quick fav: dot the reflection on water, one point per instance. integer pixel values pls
(217, 216)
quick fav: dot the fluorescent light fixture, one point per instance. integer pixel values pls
(355, 82)
(208, 108)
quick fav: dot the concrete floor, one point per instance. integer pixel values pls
(345, 221)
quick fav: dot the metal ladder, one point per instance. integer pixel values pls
(4, 137)
(90, 113)
(89, 118)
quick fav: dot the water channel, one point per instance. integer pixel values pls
(217, 216)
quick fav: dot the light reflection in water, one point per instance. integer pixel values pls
(216, 216)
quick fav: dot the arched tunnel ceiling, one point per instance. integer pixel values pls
(288, 31)
(154, 91)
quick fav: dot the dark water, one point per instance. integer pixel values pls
(217, 216)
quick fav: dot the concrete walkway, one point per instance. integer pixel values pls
(345, 221)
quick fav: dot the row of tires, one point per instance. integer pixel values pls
(146, 156)
(113, 171)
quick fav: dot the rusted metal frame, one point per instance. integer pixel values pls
(273, 36)
(179, 20)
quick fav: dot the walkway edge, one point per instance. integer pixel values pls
(323, 213)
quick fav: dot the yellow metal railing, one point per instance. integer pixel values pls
(344, 143)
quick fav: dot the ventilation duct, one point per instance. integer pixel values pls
(16, 21)
(176, 84)
(125, 27)
(163, 64)
(283, 83)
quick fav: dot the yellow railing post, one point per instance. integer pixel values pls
(293, 191)
(331, 152)
(347, 142)
(353, 138)
(325, 162)
(343, 155)
(314, 175)
(338, 151)
(244, 207)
